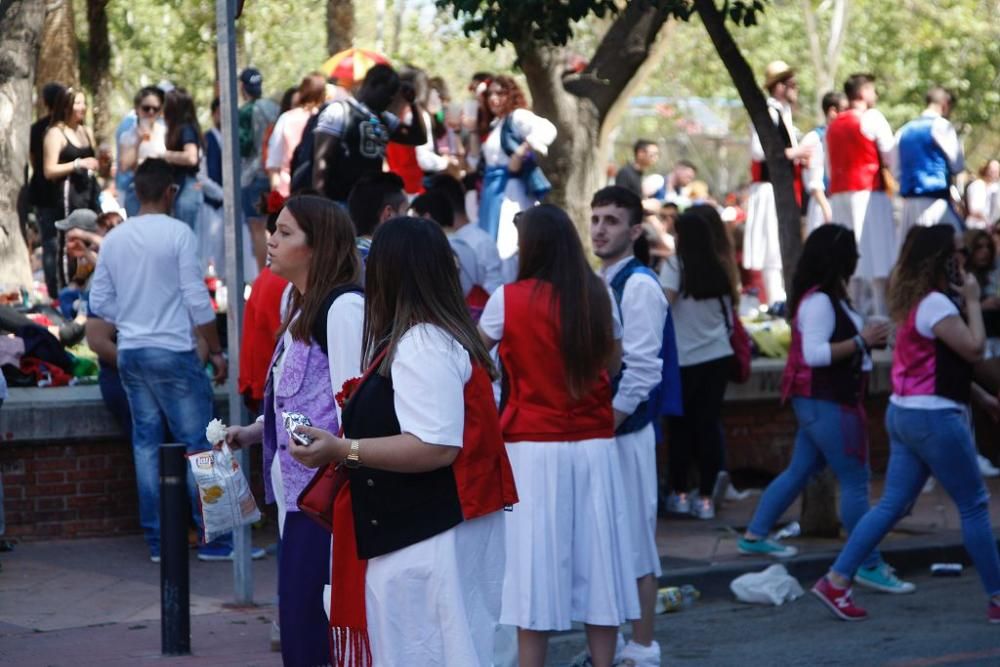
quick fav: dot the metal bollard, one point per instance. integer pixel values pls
(175, 593)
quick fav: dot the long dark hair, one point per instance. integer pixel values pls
(828, 260)
(550, 251)
(411, 278)
(335, 261)
(178, 111)
(708, 266)
(922, 267)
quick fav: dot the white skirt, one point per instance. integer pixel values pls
(515, 200)
(568, 554)
(925, 212)
(637, 456)
(760, 236)
(814, 216)
(436, 603)
(869, 214)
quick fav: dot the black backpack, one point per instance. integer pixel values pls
(302, 157)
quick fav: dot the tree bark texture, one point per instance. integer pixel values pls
(779, 167)
(99, 67)
(58, 60)
(20, 31)
(583, 106)
(339, 25)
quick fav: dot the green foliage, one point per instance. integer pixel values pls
(552, 21)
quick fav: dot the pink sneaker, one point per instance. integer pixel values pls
(838, 600)
(993, 612)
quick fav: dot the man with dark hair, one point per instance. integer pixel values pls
(351, 136)
(645, 154)
(148, 283)
(929, 156)
(256, 118)
(860, 146)
(374, 199)
(814, 177)
(44, 195)
(488, 264)
(761, 251)
(677, 186)
(615, 225)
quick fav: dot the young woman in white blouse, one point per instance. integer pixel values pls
(505, 192)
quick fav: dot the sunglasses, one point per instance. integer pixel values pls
(147, 108)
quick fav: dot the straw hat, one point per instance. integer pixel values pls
(777, 72)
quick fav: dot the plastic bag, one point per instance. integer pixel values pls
(226, 501)
(772, 586)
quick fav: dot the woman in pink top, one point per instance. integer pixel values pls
(287, 132)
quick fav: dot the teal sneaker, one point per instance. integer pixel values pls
(883, 578)
(765, 547)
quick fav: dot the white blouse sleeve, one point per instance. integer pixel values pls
(429, 373)
(816, 322)
(537, 131)
(427, 157)
(344, 324)
(276, 144)
(491, 321)
(932, 309)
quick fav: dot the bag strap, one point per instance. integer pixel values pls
(319, 332)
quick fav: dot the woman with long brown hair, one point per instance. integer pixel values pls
(559, 343)
(419, 547)
(508, 156)
(183, 154)
(927, 418)
(287, 133)
(319, 348)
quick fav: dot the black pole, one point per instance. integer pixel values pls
(175, 608)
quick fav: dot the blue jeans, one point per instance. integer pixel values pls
(250, 197)
(187, 203)
(922, 443)
(828, 435)
(171, 386)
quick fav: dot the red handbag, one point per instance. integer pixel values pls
(316, 500)
(739, 339)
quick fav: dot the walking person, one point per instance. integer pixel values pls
(419, 530)
(826, 378)
(615, 226)
(183, 153)
(701, 285)
(568, 550)
(927, 417)
(148, 283)
(319, 348)
(516, 134)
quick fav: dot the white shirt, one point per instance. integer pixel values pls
(537, 131)
(932, 309)
(487, 257)
(983, 200)
(492, 320)
(427, 156)
(816, 322)
(945, 136)
(150, 284)
(778, 111)
(429, 372)
(700, 325)
(875, 127)
(643, 313)
(814, 175)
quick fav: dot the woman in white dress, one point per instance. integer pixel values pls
(508, 152)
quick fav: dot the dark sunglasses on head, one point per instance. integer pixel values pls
(150, 109)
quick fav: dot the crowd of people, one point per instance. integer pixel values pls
(488, 404)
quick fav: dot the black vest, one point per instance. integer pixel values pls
(842, 381)
(393, 510)
(360, 151)
(953, 375)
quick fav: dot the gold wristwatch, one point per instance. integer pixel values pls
(353, 459)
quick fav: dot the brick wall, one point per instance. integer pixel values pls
(85, 489)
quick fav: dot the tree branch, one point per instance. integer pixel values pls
(812, 32)
(838, 33)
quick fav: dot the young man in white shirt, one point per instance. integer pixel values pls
(149, 284)
(615, 224)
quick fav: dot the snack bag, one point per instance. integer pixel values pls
(226, 501)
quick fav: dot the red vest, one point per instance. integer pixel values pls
(854, 158)
(402, 160)
(540, 407)
(261, 321)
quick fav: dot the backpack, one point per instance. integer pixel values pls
(665, 398)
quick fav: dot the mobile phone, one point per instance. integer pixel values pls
(954, 271)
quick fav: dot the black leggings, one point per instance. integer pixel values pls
(697, 436)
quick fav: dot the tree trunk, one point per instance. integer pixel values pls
(58, 60)
(99, 67)
(584, 106)
(819, 507)
(20, 32)
(779, 167)
(339, 25)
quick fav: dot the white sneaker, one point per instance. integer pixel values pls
(678, 503)
(637, 655)
(720, 488)
(986, 467)
(703, 508)
(733, 495)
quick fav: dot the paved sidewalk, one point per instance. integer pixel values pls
(96, 602)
